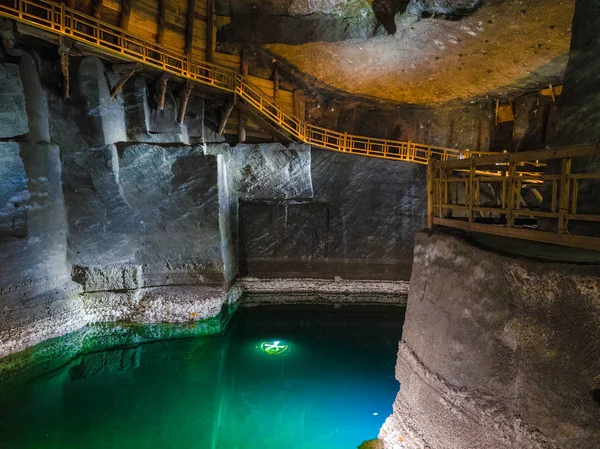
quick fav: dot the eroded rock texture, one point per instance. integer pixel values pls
(496, 352)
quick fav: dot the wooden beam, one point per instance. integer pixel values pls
(226, 115)
(275, 83)
(210, 24)
(124, 77)
(161, 86)
(125, 67)
(96, 8)
(184, 96)
(125, 14)
(244, 63)
(241, 126)
(162, 14)
(63, 51)
(296, 102)
(577, 241)
(189, 27)
(526, 156)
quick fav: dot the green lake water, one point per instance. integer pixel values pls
(328, 384)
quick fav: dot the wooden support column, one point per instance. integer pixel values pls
(226, 115)
(162, 14)
(430, 193)
(63, 51)
(510, 200)
(183, 101)
(125, 14)
(296, 102)
(96, 8)
(244, 70)
(210, 27)
(275, 82)
(161, 86)
(565, 193)
(471, 193)
(189, 27)
(241, 127)
(128, 70)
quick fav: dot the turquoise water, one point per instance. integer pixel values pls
(329, 383)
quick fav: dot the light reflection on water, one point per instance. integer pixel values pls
(331, 388)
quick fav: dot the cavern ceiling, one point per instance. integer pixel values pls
(442, 50)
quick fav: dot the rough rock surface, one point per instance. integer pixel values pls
(13, 115)
(271, 172)
(360, 224)
(496, 352)
(322, 291)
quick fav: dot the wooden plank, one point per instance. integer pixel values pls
(576, 241)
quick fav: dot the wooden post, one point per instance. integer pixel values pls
(228, 111)
(125, 14)
(296, 101)
(241, 127)
(210, 24)
(130, 70)
(510, 200)
(563, 204)
(275, 82)
(244, 70)
(162, 13)
(161, 86)
(63, 51)
(430, 191)
(183, 101)
(189, 28)
(471, 195)
(96, 8)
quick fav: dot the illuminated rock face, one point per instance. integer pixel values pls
(359, 224)
(496, 352)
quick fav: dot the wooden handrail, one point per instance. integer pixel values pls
(116, 42)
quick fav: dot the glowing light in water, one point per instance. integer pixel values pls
(273, 348)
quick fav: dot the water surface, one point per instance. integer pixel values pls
(328, 383)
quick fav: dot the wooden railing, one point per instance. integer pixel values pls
(115, 42)
(462, 194)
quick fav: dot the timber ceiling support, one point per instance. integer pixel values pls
(161, 87)
(162, 14)
(226, 115)
(64, 47)
(127, 71)
(96, 8)
(183, 101)
(210, 8)
(125, 14)
(189, 28)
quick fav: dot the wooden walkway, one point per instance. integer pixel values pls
(115, 42)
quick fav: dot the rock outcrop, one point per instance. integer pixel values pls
(496, 352)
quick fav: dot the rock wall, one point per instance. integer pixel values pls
(496, 352)
(106, 212)
(358, 224)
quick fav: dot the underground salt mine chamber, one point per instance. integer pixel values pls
(299, 225)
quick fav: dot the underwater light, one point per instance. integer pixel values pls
(273, 348)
